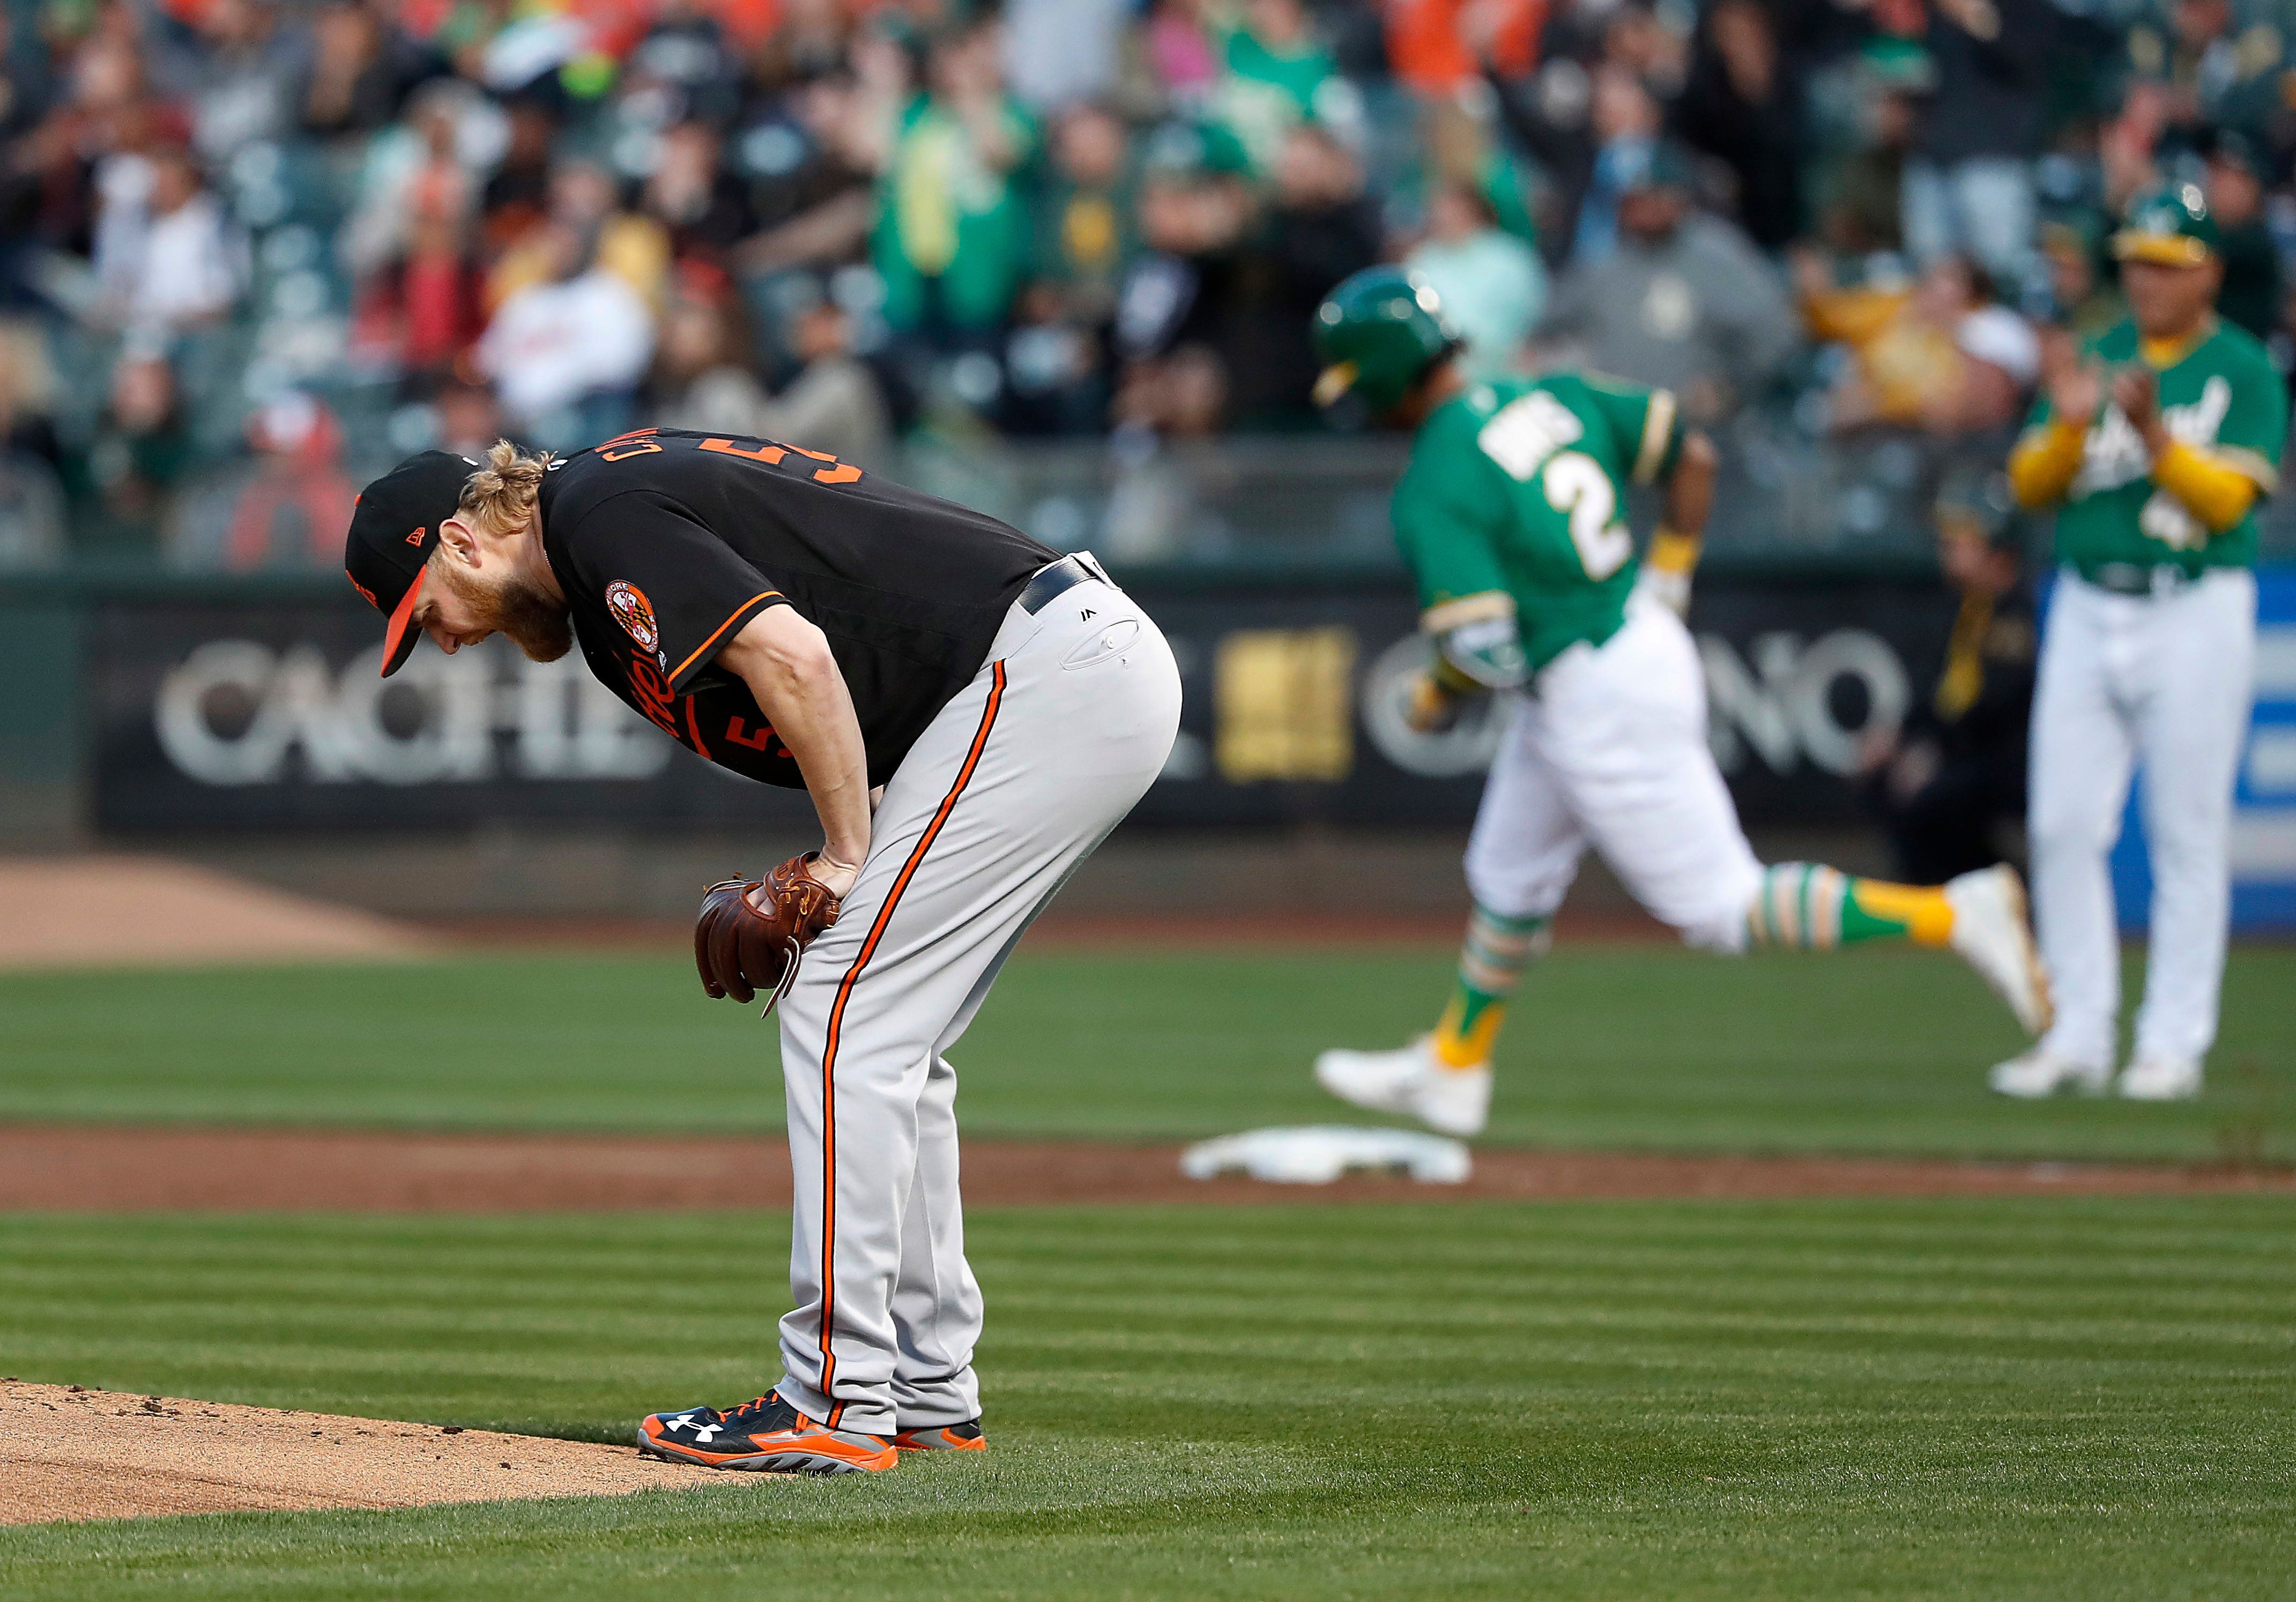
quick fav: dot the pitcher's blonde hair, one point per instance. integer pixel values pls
(502, 493)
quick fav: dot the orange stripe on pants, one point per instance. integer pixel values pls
(837, 1019)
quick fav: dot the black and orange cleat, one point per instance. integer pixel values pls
(965, 1437)
(766, 1436)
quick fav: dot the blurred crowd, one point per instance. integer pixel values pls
(254, 248)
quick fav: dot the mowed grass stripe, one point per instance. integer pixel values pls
(2006, 1398)
(1627, 1047)
(305, 1261)
(307, 1271)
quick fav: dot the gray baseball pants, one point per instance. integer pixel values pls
(1006, 793)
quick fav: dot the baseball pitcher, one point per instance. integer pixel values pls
(1513, 518)
(2153, 446)
(788, 617)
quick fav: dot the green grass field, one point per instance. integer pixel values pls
(1943, 1399)
(1616, 1046)
(2004, 1398)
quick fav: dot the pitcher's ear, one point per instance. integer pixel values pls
(459, 539)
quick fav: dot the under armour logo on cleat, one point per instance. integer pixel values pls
(1087, 615)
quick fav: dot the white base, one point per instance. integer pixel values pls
(1319, 1154)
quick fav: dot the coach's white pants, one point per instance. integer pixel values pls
(2165, 681)
(1611, 750)
(1006, 793)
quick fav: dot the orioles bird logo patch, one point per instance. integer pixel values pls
(629, 606)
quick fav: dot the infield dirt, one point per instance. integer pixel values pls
(70, 1453)
(99, 1168)
(101, 911)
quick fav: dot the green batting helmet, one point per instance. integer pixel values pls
(1377, 333)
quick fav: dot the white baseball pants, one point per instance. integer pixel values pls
(1609, 750)
(1006, 793)
(2166, 680)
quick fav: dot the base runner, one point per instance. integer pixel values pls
(1511, 516)
(797, 621)
(2153, 446)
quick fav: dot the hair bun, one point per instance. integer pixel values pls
(502, 492)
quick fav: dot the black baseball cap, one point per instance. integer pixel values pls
(394, 528)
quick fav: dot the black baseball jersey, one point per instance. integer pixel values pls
(667, 541)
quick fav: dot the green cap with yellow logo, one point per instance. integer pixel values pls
(2169, 225)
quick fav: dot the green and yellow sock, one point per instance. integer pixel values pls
(1809, 907)
(1491, 960)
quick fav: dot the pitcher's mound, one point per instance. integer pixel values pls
(66, 1453)
(101, 910)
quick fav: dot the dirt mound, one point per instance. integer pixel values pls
(104, 1169)
(96, 911)
(66, 1453)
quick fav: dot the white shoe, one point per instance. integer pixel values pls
(2162, 1079)
(2041, 1072)
(1992, 934)
(1457, 1101)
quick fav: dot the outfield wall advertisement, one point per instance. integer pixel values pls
(221, 716)
(234, 716)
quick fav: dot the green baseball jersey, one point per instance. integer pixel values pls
(2223, 394)
(1515, 503)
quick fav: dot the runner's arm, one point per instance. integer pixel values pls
(1676, 543)
(1689, 489)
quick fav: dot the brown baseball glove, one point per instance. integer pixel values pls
(741, 950)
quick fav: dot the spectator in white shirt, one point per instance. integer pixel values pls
(167, 257)
(558, 348)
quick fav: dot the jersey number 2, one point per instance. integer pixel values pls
(1577, 487)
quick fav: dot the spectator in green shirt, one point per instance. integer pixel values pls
(1276, 73)
(1088, 232)
(123, 485)
(951, 235)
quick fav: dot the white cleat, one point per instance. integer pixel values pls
(1992, 934)
(2162, 1079)
(2042, 1072)
(1457, 1101)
